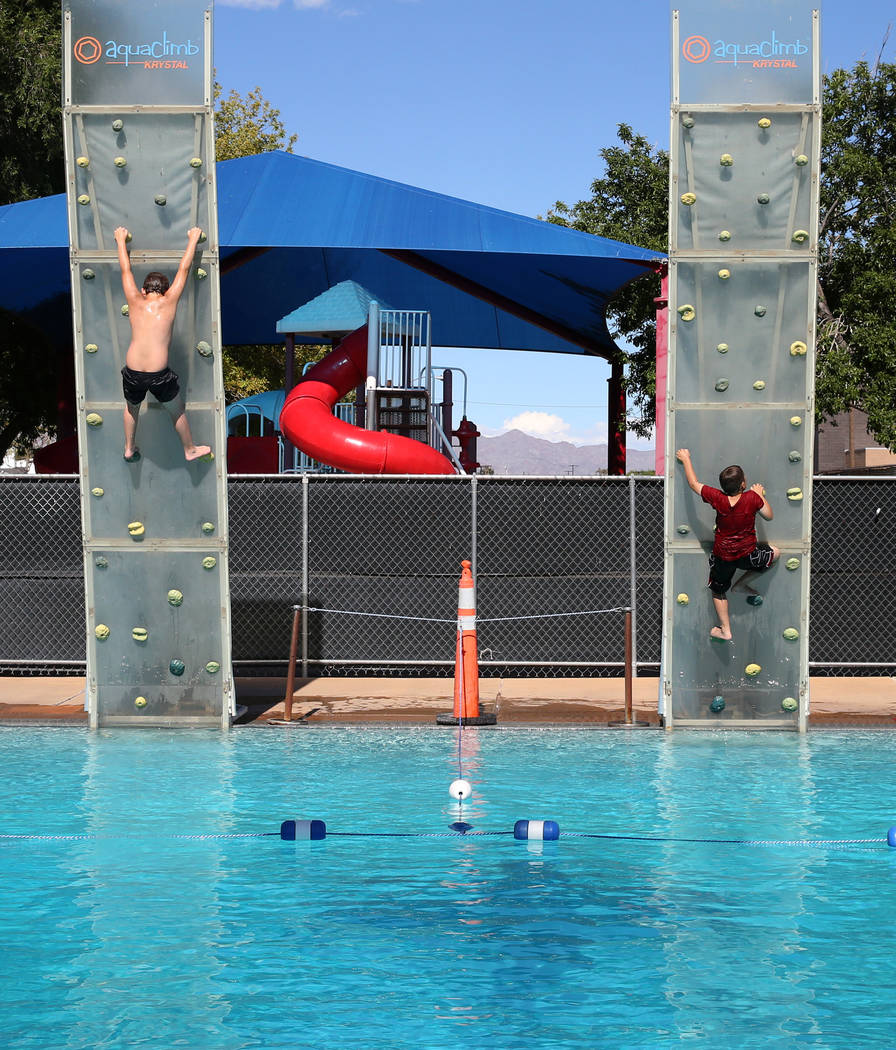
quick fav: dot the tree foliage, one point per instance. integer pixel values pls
(856, 345)
(246, 126)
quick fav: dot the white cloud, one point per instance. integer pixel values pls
(540, 424)
(253, 5)
(309, 4)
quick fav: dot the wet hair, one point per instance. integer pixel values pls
(731, 480)
(155, 282)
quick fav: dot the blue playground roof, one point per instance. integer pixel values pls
(337, 311)
(290, 228)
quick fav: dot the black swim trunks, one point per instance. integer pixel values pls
(721, 572)
(164, 386)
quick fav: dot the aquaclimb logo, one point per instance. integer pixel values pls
(154, 54)
(770, 52)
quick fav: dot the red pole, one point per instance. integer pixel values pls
(616, 410)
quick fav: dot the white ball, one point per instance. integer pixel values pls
(460, 789)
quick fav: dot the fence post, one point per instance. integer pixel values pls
(632, 627)
(305, 543)
(291, 673)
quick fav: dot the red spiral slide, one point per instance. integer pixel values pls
(307, 420)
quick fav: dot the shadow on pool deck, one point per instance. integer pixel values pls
(417, 701)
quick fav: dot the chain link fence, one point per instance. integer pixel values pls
(375, 562)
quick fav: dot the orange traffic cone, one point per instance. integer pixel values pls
(466, 659)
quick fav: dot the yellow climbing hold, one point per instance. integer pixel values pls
(724, 274)
(689, 198)
(751, 670)
(97, 491)
(724, 235)
(201, 274)
(794, 456)
(800, 236)
(726, 160)
(801, 160)
(798, 348)
(94, 419)
(125, 310)
(91, 348)
(140, 702)
(175, 597)
(789, 703)
(682, 599)
(208, 457)
(208, 527)
(83, 199)
(209, 562)
(120, 162)
(795, 495)
(82, 162)
(791, 634)
(796, 421)
(792, 563)
(687, 312)
(759, 384)
(722, 348)
(196, 162)
(764, 123)
(135, 528)
(101, 631)
(139, 634)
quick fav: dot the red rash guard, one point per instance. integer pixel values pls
(735, 526)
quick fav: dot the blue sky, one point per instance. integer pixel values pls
(499, 102)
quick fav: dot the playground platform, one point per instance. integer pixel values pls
(589, 702)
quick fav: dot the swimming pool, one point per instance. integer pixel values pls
(134, 938)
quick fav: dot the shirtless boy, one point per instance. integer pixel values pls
(151, 310)
(735, 546)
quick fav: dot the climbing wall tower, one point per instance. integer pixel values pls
(743, 234)
(139, 148)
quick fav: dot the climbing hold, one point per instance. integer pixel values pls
(800, 236)
(196, 162)
(101, 562)
(721, 385)
(724, 235)
(120, 162)
(724, 274)
(83, 199)
(794, 456)
(204, 348)
(82, 162)
(201, 274)
(160, 199)
(139, 634)
(796, 421)
(798, 348)
(759, 311)
(763, 198)
(682, 599)
(795, 495)
(751, 670)
(125, 310)
(88, 275)
(791, 634)
(101, 631)
(117, 125)
(759, 384)
(687, 120)
(177, 667)
(726, 160)
(801, 161)
(97, 491)
(792, 563)
(213, 667)
(203, 236)
(209, 562)
(689, 198)
(175, 597)
(135, 528)
(140, 702)
(94, 419)
(717, 704)
(208, 457)
(764, 123)
(460, 789)
(684, 529)
(687, 312)
(755, 600)
(722, 348)
(789, 703)
(208, 528)
(91, 348)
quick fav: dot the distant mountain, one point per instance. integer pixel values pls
(519, 453)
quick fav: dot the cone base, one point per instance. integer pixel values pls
(451, 719)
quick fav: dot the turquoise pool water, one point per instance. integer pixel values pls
(135, 938)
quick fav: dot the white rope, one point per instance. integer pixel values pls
(479, 620)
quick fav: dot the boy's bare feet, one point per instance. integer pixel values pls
(133, 456)
(719, 635)
(197, 452)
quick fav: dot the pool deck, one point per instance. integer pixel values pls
(592, 702)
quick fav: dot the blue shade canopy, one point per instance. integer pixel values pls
(290, 228)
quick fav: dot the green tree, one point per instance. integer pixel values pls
(246, 126)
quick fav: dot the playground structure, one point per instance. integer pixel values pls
(742, 277)
(140, 153)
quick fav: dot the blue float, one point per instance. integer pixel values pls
(293, 830)
(891, 837)
(537, 830)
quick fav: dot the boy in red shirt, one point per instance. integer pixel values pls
(735, 546)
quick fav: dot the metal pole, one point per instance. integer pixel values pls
(305, 540)
(633, 569)
(629, 719)
(291, 673)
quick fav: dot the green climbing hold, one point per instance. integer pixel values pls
(791, 634)
(94, 419)
(751, 670)
(101, 562)
(175, 598)
(139, 634)
(759, 384)
(101, 631)
(759, 311)
(204, 348)
(789, 703)
(800, 236)
(213, 667)
(209, 562)
(208, 527)
(721, 385)
(717, 704)
(196, 162)
(160, 199)
(120, 162)
(763, 198)
(722, 348)
(177, 667)
(91, 348)
(792, 563)
(88, 274)
(83, 198)
(687, 120)
(794, 456)
(117, 125)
